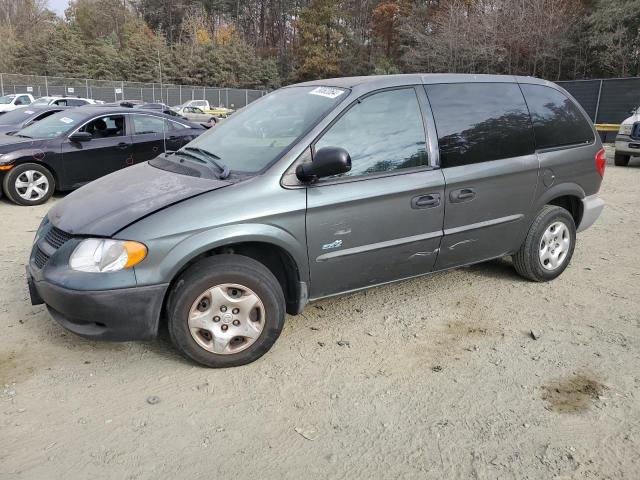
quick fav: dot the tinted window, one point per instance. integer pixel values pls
(479, 122)
(556, 119)
(22, 100)
(107, 126)
(147, 124)
(76, 103)
(383, 132)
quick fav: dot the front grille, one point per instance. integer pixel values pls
(52, 241)
(40, 258)
(56, 237)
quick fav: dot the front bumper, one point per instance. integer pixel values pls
(627, 146)
(592, 207)
(119, 315)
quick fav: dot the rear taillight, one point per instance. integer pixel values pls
(601, 161)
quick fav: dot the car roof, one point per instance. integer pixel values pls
(381, 81)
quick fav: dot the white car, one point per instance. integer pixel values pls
(65, 101)
(628, 140)
(15, 100)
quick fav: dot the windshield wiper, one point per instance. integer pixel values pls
(202, 162)
(22, 136)
(212, 158)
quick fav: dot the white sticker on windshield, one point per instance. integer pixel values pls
(66, 120)
(328, 92)
(28, 112)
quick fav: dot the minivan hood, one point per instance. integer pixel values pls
(107, 205)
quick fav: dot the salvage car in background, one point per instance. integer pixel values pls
(160, 107)
(17, 100)
(218, 112)
(69, 149)
(628, 140)
(196, 114)
(66, 101)
(25, 116)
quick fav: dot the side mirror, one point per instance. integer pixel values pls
(327, 162)
(80, 137)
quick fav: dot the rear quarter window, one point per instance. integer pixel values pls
(557, 120)
(480, 122)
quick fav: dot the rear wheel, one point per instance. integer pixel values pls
(28, 184)
(226, 311)
(548, 247)
(621, 160)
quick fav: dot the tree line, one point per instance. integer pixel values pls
(268, 43)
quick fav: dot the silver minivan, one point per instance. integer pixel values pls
(315, 190)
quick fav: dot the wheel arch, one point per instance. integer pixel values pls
(566, 195)
(275, 252)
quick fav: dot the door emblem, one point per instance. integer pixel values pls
(329, 246)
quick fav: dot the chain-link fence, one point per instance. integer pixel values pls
(608, 100)
(115, 91)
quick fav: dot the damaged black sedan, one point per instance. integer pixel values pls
(71, 148)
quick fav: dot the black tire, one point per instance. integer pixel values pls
(217, 270)
(527, 259)
(11, 190)
(621, 160)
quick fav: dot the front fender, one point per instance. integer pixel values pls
(164, 262)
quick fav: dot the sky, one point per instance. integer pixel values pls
(58, 6)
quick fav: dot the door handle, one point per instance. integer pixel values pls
(122, 145)
(430, 200)
(462, 195)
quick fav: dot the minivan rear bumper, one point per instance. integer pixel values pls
(591, 209)
(118, 315)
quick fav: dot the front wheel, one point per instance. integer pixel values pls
(225, 311)
(621, 160)
(28, 184)
(548, 247)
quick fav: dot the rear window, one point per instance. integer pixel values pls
(557, 120)
(480, 122)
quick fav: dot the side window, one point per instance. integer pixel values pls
(76, 103)
(174, 126)
(383, 132)
(480, 122)
(22, 100)
(62, 102)
(43, 116)
(557, 121)
(104, 127)
(143, 124)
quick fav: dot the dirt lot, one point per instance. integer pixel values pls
(433, 378)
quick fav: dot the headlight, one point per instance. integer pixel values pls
(104, 255)
(625, 130)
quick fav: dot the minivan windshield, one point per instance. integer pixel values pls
(256, 136)
(53, 126)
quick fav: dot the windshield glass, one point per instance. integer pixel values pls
(6, 99)
(16, 116)
(42, 101)
(53, 126)
(259, 134)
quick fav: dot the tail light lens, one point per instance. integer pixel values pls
(601, 161)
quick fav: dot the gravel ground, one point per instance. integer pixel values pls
(433, 378)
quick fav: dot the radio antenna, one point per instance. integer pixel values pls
(164, 121)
